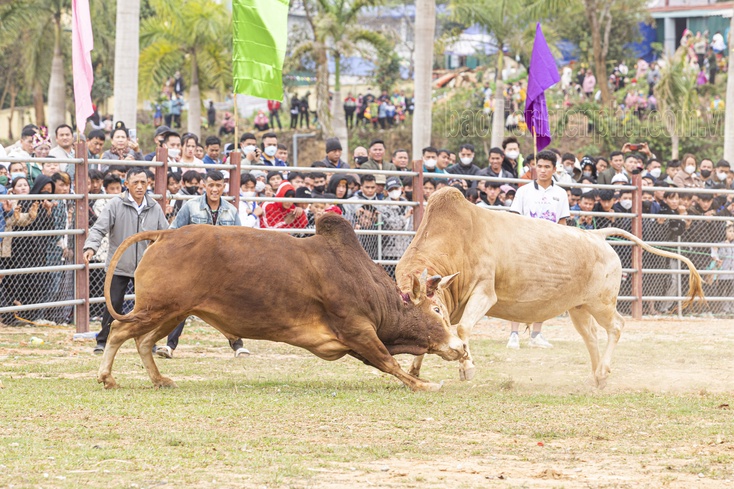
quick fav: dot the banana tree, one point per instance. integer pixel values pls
(677, 97)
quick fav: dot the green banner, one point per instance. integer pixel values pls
(260, 41)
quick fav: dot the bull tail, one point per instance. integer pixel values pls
(695, 288)
(149, 236)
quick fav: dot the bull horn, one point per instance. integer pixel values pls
(432, 284)
(424, 280)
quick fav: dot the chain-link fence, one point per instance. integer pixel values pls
(45, 279)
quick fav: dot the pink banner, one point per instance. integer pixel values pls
(81, 61)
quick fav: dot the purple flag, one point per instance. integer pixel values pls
(542, 75)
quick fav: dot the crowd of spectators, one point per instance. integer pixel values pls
(189, 160)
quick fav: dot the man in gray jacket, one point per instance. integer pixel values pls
(130, 213)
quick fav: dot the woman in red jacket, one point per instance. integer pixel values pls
(283, 214)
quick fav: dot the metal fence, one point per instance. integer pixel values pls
(44, 277)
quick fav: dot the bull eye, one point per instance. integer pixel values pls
(436, 310)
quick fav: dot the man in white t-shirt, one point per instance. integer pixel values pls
(541, 199)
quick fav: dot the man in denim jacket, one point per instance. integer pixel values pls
(209, 208)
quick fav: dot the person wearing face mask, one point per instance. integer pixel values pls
(250, 211)
(160, 133)
(191, 180)
(319, 182)
(571, 166)
(688, 178)
(172, 142)
(270, 147)
(706, 170)
(510, 193)
(395, 218)
(360, 156)
(465, 166)
(251, 154)
(430, 160)
(588, 168)
(513, 162)
(723, 173)
(653, 169)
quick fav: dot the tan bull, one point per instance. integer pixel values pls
(520, 269)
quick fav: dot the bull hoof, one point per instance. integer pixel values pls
(430, 387)
(415, 372)
(467, 374)
(165, 383)
(601, 378)
(108, 381)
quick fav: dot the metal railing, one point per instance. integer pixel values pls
(647, 281)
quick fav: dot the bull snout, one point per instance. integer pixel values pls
(455, 349)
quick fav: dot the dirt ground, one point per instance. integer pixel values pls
(570, 463)
(665, 357)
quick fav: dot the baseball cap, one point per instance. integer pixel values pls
(380, 179)
(161, 130)
(393, 182)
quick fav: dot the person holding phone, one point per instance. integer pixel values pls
(123, 146)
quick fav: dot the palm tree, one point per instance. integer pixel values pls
(425, 27)
(500, 19)
(336, 31)
(677, 96)
(189, 33)
(127, 30)
(729, 121)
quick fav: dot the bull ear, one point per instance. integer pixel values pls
(432, 284)
(446, 281)
(418, 291)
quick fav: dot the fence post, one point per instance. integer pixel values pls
(235, 158)
(161, 177)
(418, 194)
(81, 311)
(637, 250)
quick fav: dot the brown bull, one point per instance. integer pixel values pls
(321, 293)
(520, 269)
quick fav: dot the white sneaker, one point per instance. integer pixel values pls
(539, 342)
(164, 352)
(241, 352)
(514, 342)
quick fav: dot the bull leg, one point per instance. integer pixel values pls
(477, 306)
(369, 347)
(612, 321)
(145, 345)
(116, 338)
(415, 367)
(585, 325)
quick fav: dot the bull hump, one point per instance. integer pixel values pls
(334, 227)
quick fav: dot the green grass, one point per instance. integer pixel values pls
(284, 418)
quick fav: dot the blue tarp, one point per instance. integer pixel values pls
(643, 49)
